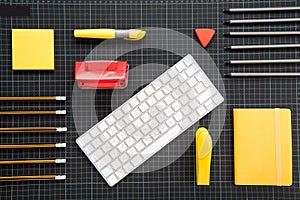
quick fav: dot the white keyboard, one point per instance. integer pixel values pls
(149, 120)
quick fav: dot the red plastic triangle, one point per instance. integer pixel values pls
(205, 35)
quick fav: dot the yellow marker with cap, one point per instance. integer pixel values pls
(203, 156)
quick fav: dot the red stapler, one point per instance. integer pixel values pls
(101, 74)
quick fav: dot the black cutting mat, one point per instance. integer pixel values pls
(176, 181)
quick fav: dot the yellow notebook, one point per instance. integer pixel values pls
(262, 147)
(32, 49)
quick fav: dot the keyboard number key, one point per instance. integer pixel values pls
(159, 95)
(120, 124)
(141, 96)
(134, 102)
(102, 126)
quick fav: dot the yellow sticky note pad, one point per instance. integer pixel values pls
(32, 49)
(262, 147)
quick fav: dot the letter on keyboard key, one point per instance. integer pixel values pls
(112, 130)
(120, 173)
(124, 157)
(143, 107)
(114, 153)
(122, 147)
(114, 141)
(138, 123)
(97, 154)
(120, 124)
(159, 95)
(107, 171)
(158, 144)
(151, 101)
(145, 117)
(130, 129)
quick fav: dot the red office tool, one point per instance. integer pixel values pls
(101, 74)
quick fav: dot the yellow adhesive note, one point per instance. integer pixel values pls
(262, 147)
(32, 49)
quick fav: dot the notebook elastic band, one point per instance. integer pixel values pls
(277, 146)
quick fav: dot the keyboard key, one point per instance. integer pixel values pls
(149, 90)
(122, 147)
(145, 117)
(112, 130)
(138, 135)
(114, 141)
(130, 129)
(194, 104)
(159, 95)
(153, 123)
(97, 154)
(190, 71)
(169, 99)
(145, 129)
(94, 132)
(186, 110)
(110, 120)
(192, 82)
(130, 141)
(172, 73)
(106, 147)
(141, 96)
(176, 105)
(187, 62)
(89, 148)
(134, 102)
(126, 108)
(180, 68)
(96, 143)
(144, 106)
(136, 113)
(163, 128)
(182, 77)
(139, 146)
(201, 110)
(192, 94)
(120, 173)
(102, 126)
(122, 135)
(161, 105)
(203, 97)
(112, 180)
(174, 83)
(118, 114)
(85, 139)
(157, 84)
(171, 122)
(164, 78)
(185, 123)
(137, 160)
(104, 137)
(116, 164)
(153, 111)
(114, 153)
(105, 160)
(199, 88)
(138, 123)
(193, 116)
(168, 111)
(178, 116)
(147, 140)
(124, 157)
(132, 151)
(120, 124)
(107, 171)
(161, 117)
(128, 167)
(209, 104)
(166, 90)
(151, 101)
(183, 100)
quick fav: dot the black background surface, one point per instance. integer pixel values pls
(177, 181)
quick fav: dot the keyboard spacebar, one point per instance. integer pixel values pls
(161, 142)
